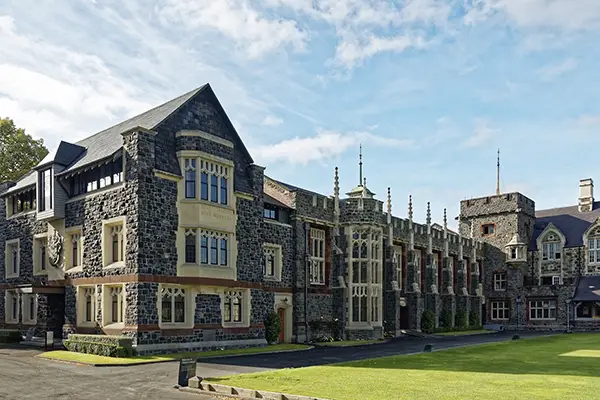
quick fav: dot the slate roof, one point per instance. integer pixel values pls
(588, 289)
(292, 188)
(24, 182)
(107, 142)
(568, 220)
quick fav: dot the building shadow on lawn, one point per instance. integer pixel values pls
(575, 355)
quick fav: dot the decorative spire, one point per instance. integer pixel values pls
(459, 231)
(410, 209)
(336, 183)
(445, 222)
(498, 174)
(360, 171)
(428, 214)
(389, 201)
(364, 186)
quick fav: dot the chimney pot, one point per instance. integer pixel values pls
(586, 195)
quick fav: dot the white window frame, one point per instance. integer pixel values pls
(39, 241)
(498, 309)
(83, 292)
(556, 280)
(275, 251)
(111, 227)
(551, 248)
(74, 237)
(108, 291)
(499, 278)
(593, 250)
(9, 295)
(174, 291)
(317, 256)
(228, 297)
(29, 319)
(12, 271)
(537, 308)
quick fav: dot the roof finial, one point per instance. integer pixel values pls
(364, 187)
(360, 176)
(336, 184)
(428, 213)
(498, 174)
(410, 209)
(389, 201)
(445, 221)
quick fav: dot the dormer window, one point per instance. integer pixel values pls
(45, 192)
(22, 202)
(97, 178)
(551, 248)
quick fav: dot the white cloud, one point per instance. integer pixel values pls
(554, 70)
(239, 21)
(480, 136)
(324, 145)
(271, 120)
(588, 120)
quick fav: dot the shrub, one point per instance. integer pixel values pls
(474, 319)
(446, 319)
(322, 338)
(101, 345)
(272, 328)
(10, 336)
(461, 320)
(428, 321)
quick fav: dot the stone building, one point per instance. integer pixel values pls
(541, 268)
(163, 228)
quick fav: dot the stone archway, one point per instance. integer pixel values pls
(283, 307)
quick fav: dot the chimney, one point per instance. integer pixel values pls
(586, 195)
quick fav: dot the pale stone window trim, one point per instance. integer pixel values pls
(317, 256)
(28, 318)
(230, 297)
(9, 295)
(108, 293)
(40, 244)
(74, 237)
(398, 261)
(538, 307)
(173, 292)
(10, 248)
(591, 241)
(114, 227)
(499, 310)
(210, 235)
(85, 293)
(500, 281)
(552, 246)
(211, 165)
(272, 252)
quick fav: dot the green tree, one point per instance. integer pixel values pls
(19, 152)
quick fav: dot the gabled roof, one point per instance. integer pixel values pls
(28, 180)
(107, 142)
(293, 188)
(568, 220)
(271, 200)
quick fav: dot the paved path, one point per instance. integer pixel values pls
(25, 377)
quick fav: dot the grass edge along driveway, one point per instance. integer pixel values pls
(537, 368)
(92, 359)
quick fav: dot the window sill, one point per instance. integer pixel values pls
(208, 203)
(542, 319)
(74, 270)
(272, 279)
(12, 276)
(227, 325)
(21, 214)
(318, 283)
(499, 290)
(87, 324)
(40, 273)
(175, 325)
(118, 264)
(12, 321)
(114, 325)
(30, 322)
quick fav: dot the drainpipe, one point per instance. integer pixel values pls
(306, 279)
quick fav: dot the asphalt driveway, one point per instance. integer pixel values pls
(24, 377)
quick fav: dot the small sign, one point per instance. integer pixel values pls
(49, 338)
(187, 370)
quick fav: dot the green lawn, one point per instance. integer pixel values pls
(556, 367)
(93, 359)
(461, 333)
(348, 343)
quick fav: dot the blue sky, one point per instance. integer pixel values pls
(430, 87)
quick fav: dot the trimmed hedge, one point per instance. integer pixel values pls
(272, 328)
(10, 336)
(428, 321)
(100, 345)
(460, 320)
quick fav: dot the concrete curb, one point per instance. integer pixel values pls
(200, 359)
(203, 387)
(438, 336)
(322, 346)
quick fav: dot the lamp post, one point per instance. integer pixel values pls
(519, 300)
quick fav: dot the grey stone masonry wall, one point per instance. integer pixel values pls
(448, 306)
(391, 295)
(282, 235)
(207, 146)
(370, 214)
(306, 206)
(204, 113)
(2, 307)
(461, 277)
(447, 282)
(463, 305)
(415, 305)
(70, 315)
(411, 272)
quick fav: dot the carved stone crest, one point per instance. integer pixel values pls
(55, 247)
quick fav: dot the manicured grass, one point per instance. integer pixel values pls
(475, 332)
(94, 359)
(521, 369)
(349, 343)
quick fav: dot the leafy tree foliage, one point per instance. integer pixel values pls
(19, 152)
